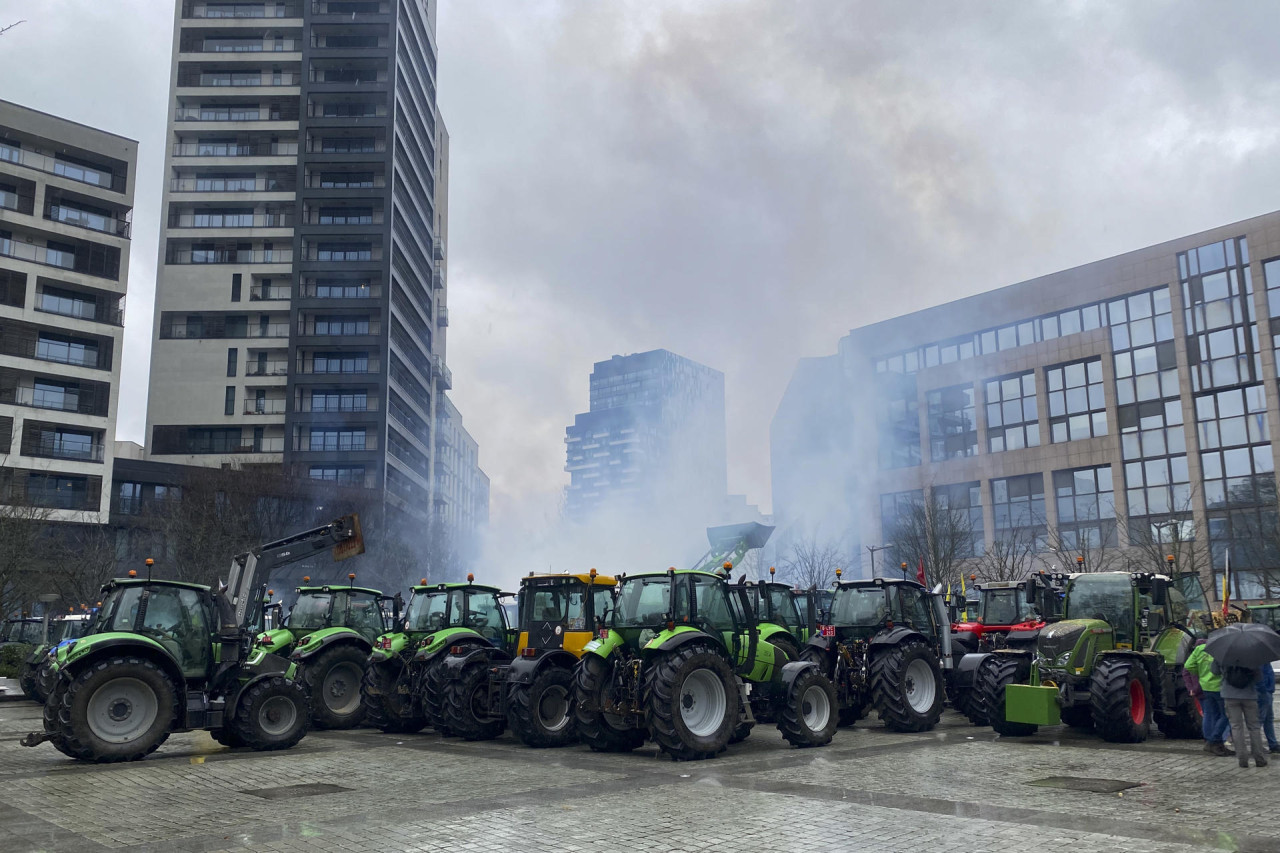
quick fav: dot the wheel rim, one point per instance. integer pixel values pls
(1137, 702)
(277, 715)
(815, 708)
(122, 710)
(341, 688)
(919, 686)
(553, 708)
(702, 702)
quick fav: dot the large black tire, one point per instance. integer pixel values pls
(541, 713)
(227, 737)
(116, 709)
(334, 678)
(52, 708)
(690, 697)
(989, 681)
(969, 702)
(787, 644)
(1186, 721)
(741, 729)
(809, 716)
(848, 714)
(1120, 697)
(1078, 716)
(273, 713)
(466, 704)
(906, 687)
(46, 678)
(598, 730)
(29, 681)
(434, 681)
(388, 703)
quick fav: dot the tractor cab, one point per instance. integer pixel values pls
(320, 607)
(1136, 606)
(180, 617)
(562, 612)
(447, 607)
(24, 631)
(774, 608)
(1266, 614)
(862, 609)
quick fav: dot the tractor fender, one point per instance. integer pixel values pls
(444, 640)
(317, 643)
(105, 645)
(820, 643)
(454, 664)
(968, 666)
(964, 640)
(679, 638)
(1022, 639)
(791, 671)
(895, 636)
(233, 695)
(525, 670)
(604, 646)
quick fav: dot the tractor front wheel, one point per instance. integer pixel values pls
(808, 715)
(691, 699)
(541, 713)
(846, 715)
(601, 731)
(1120, 696)
(466, 704)
(272, 714)
(906, 687)
(388, 703)
(117, 709)
(991, 678)
(334, 677)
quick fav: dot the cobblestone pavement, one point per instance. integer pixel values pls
(954, 789)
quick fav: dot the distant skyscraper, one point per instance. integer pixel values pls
(300, 315)
(462, 489)
(655, 436)
(66, 200)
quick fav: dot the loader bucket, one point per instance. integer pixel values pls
(727, 536)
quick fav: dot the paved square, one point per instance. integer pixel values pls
(955, 789)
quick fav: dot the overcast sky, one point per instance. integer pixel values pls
(743, 181)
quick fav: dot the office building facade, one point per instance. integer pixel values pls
(1106, 414)
(461, 502)
(66, 201)
(300, 309)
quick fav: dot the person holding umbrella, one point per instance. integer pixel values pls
(1238, 651)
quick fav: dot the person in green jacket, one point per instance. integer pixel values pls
(1206, 686)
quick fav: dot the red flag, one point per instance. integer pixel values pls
(920, 573)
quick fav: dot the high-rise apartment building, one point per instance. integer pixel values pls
(655, 436)
(300, 309)
(1104, 416)
(66, 200)
(461, 502)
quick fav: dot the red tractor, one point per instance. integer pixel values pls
(1009, 614)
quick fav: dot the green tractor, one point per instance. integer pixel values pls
(681, 665)
(1266, 614)
(776, 610)
(403, 687)
(173, 656)
(1114, 662)
(487, 690)
(885, 646)
(37, 674)
(329, 633)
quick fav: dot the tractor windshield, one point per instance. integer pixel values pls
(783, 609)
(428, 610)
(1108, 597)
(484, 615)
(1000, 607)
(644, 601)
(860, 606)
(311, 611)
(359, 611)
(26, 632)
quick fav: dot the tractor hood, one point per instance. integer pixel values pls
(1058, 640)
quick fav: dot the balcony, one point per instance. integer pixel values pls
(97, 177)
(339, 181)
(242, 10)
(235, 149)
(342, 216)
(234, 44)
(231, 220)
(271, 367)
(345, 109)
(442, 317)
(348, 41)
(437, 280)
(349, 8)
(337, 365)
(437, 249)
(322, 403)
(202, 331)
(231, 185)
(178, 257)
(254, 406)
(268, 293)
(346, 145)
(89, 263)
(17, 203)
(351, 253)
(237, 79)
(338, 441)
(94, 309)
(335, 327)
(348, 76)
(443, 374)
(78, 218)
(275, 112)
(62, 400)
(312, 289)
(55, 447)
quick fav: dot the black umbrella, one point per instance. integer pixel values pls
(1246, 644)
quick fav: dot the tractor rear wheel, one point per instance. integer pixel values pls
(46, 678)
(990, 679)
(598, 730)
(1120, 696)
(433, 695)
(541, 713)
(116, 709)
(388, 703)
(52, 707)
(906, 687)
(690, 702)
(1185, 719)
(968, 702)
(742, 729)
(272, 714)
(466, 703)
(808, 716)
(334, 677)
(29, 681)
(785, 642)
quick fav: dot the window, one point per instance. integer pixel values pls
(331, 289)
(953, 426)
(346, 216)
(1085, 501)
(348, 144)
(66, 350)
(1222, 335)
(346, 180)
(57, 491)
(350, 362)
(899, 422)
(1012, 416)
(342, 325)
(129, 498)
(1018, 511)
(233, 355)
(236, 280)
(964, 501)
(896, 510)
(229, 403)
(215, 440)
(352, 475)
(48, 394)
(1077, 404)
(336, 439)
(1235, 445)
(82, 173)
(339, 401)
(343, 251)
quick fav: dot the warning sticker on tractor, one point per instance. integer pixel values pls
(827, 630)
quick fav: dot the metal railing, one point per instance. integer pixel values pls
(270, 114)
(237, 79)
(71, 171)
(357, 76)
(368, 404)
(17, 203)
(234, 149)
(191, 331)
(231, 220)
(338, 365)
(345, 109)
(341, 256)
(67, 401)
(254, 406)
(335, 444)
(230, 44)
(266, 293)
(348, 7)
(242, 10)
(442, 316)
(229, 256)
(437, 249)
(355, 290)
(274, 367)
(37, 254)
(330, 216)
(207, 185)
(78, 218)
(53, 448)
(98, 311)
(336, 181)
(309, 326)
(325, 145)
(350, 42)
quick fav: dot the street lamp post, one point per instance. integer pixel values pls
(873, 549)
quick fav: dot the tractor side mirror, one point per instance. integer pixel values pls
(1159, 592)
(1031, 592)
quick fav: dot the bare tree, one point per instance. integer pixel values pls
(4, 30)
(1176, 533)
(1010, 557)
(812, 563)
(88, 555)
(22, 527)
(1087, 548)
(932, 532)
